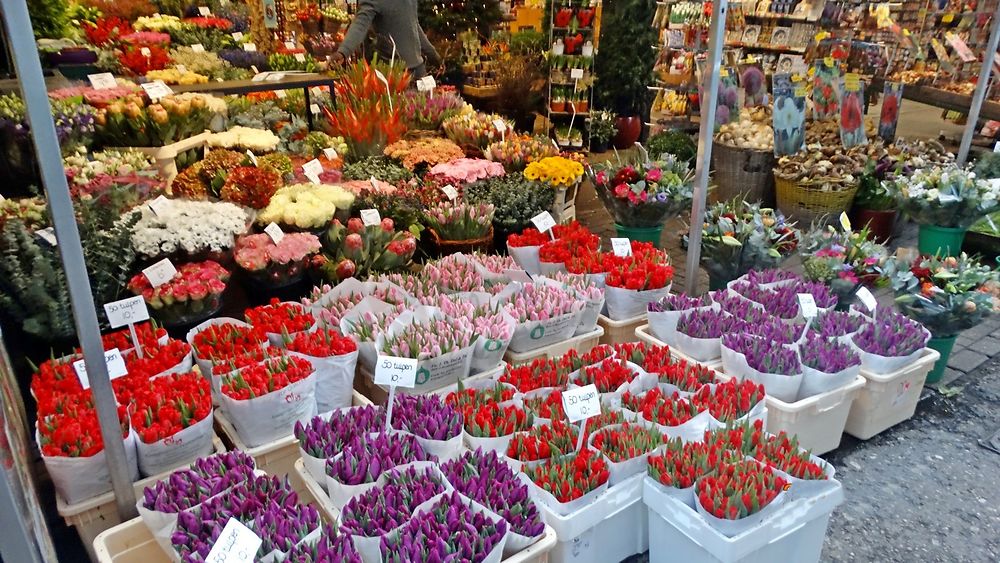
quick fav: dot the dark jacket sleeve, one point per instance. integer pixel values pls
(428, 50)
(359, 27)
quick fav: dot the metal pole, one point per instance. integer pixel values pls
(716, 42)
(43, 133)
(982, 84)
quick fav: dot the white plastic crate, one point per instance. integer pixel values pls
(93, 516)
(612, 528)
(889, 399)
(643, 334)
(794, 533)
(364, 383)
(616, 332)
(582, 343)
(819, 420)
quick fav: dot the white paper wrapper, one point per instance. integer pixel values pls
(533, 335)
(691, 431)
(315, 466)
(273, 416)
(334, 379)
(442, 449)
(176, 451)
(487, 353)
(526, 257)
(542, 496)
(700, 349)
(815, 382)
(551, 268)
(367, 351)
(883, 365)
(498, 445)
(628, 303)
(684, 495)
(78, 479)
(663, 324)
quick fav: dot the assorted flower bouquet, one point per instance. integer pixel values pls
(194, 293)
(474, 131)
(425, 153)
(421, 111)
(276, 265)
(843, 260)
(947, 196)
(517, 151)
(739, 236)
(644, 194)
(357, 250)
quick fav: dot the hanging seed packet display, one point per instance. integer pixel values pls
(728, 108)
(852, 103)
(825, 91)
(892, 97)
(754, 85)
(789, 115)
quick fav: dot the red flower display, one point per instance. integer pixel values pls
(169, 404)
(542, 442)
(729, 400)
(492, 421)
(570, 478)
(737, 490)
(656, 407)
(280, 318)
(626, 442)
(139, 64)
(266, 377)
(641, 271)
(106, 30)
(223, 341)
(608, 376)
(528, 237)
(321, 344)
(539, 373)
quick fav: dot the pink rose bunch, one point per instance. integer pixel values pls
(257, 252)
(466, 170)
(195, 281)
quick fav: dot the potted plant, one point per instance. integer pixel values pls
(581, 103)
(875, 202)
(602, 127)
(843, 260)
(624, 71)
(947, 295)
(558, 103)
(575, 137)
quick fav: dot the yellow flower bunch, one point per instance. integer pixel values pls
(557, 171)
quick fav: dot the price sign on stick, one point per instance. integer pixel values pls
(275, 232)
(395, 372)
(621, 247)
(159, 205)
(808, 306)
(501, 127)
(102, 81)
(370, 217)
(313, 167)
(198, 48)
(128, 312)
(237, 35)
(236, 544)
(580, 404)
(112, 358)
(160, 273)
(205, 11)
(867, 298)
(330, 153)
(48, 234)
(544, 222)
(450, 192)
(252, 157)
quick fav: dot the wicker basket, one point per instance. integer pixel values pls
(743, 173)
(446, 247)
(815, 200)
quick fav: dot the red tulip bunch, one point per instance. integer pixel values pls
(592, 262)
(571, 240)
(572, 361)
(249, 358)
(730, 400)
(282, 318)
(492, 421)
(681, 464)
(743, 438)
(464, 399)
(542, 442)
(784, 453)
(155, 360)
(75, 432)
(321, 344)
(626, 442)
(266, 377)
(656, 407)
(549, 406)
(148, 334)
(649, 357)
(170, 404)
(569, 478)
(539, 373)
(223, 341)
(738, 489)
(641, 272)
(528, 237)
(686, 376)
(608, 376)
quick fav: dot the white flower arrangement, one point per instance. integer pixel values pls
(947, 196)
(257, 140)
(157, 23)
(82, 167)
(305, 206)
(188, 226)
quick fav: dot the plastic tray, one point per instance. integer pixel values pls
(889, 399)
(794, 533)
(819, 420)
(642, 333)
(91, 517)
(616, 332)
(364, 382)
(582, 343)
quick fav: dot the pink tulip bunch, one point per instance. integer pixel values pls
(416, 286)
(453, 276)
(369, 325)
(538, 302)
(495, 263)
(431, 339)
(486, 321)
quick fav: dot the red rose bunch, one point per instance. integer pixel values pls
(250, 186)
(738, 489)
(626, 442)
(572, 361)
(548, 406)
(170, 404)
(280, 318)
(569, 478)
(539, 373)
(193, 282)
(730, 400)
(656, 407)
(608, 376)
(640, 272)
(528, 237)
(541, 442)
(321, 344)
(74, 432)
(681, 464)
(107, 29)
(222, 341)
(492, 421)
(239, 361)
(465, 399)
(148, 334)
(266, 377)
(686, 376)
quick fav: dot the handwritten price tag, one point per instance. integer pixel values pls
(500, 125)
(275, 232)
(204, 11)
(867, 298)
(159, 205)
(330, 153)
(808, 305)
(112, 358)
(581, 403)
(252, 157)
(160, 273)
(252, 47)
(398, 372)
(48, 234)
(301, 57)
(156, 90)
(543, 221)
(236, 544)
(127, 311)
(313, 167)
(621, 247)
(845, 222)
(314, 108)
(576, 74)
(370, 218)
(198, 48)
(102, 81)
(238, 35)
(426, 84)
(145, 52)
(290, 45)
(450, 192)
(281, 94)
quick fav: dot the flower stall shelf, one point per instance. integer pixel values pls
(93, 517)
(616, 332)
(581, 343)
(644, 334)
(890, 398)
(794, 531)
(165, 157)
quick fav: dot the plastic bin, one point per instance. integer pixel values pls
(582, 343)
(889, 399)
(819, 420)
(794, 533)
(364, 382)
(643, 335)
(612, 528)
(91, 517)
(616, 332)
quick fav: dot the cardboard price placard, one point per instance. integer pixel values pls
(581, 403)
(398, 372)
(114, 361)
(126, 311)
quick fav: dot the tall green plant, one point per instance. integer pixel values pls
(625, 58)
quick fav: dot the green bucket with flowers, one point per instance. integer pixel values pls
(942, 241)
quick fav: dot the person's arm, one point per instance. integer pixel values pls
(359, 28)
(427, 48)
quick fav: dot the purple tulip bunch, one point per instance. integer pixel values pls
(775, 330)
(827, 356)
(537, 302)
(205, 478)
(779, 303)
(678, 302)
(429, 339)
(834, 324)
(891, 336)
(821, 293)
(453, 276)
(765, 356)
(735, 306)
(708, 323)
(426, 416)
(365, 458)
(450, 531)
(759, 277)
(267, 505)
(331, 548)
(378, 511)
(323, 438)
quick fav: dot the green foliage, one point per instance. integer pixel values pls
(447, 18)
(625, 60)
(675, 142)
(212, 39)
(49, 18)
(528, 42)
(988, 165)
(515, 198)
(381, 167)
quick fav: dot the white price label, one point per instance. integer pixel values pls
(290, 45)
(158, 205)
(948, 198)
(996, 147)
(399, 372)
(517, 275)
(256, 73)
(808, 305)
(301, 57)
(198, 48)
(156, 90)
(581, 403)
(112, 358)
(312, 177)
(500, 125)
(236, 544)
(48, 234)
(426, 84)
(313, 167)
(621, 247)
(145, 51)
(543, 221)
(370, 217)
(127, 311)
(252, 157)
(867, 298)
(845, 222)
(555, 144)
(281, 94)
(249, 47)
(275, 232)
(330, 153)
(238, 35)
(576, 73)
(204, 11)
(450, 192)
(102, 81)
(160, 273)
(314, 108)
